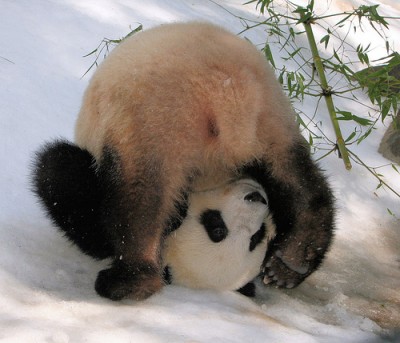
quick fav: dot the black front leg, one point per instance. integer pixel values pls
(302, 206)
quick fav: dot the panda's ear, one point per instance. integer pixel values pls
(214, 225)
(255, 197)
(248, 290)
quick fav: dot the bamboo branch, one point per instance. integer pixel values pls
(326, 91)
(376, 175)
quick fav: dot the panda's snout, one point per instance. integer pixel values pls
(255, 197)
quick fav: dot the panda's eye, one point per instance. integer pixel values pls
(218, 234)
(214, 225)
(255, 197)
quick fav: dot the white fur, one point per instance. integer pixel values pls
(195, 261)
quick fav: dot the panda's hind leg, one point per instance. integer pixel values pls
(134, 213)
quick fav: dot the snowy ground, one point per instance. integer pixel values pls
(46, 286)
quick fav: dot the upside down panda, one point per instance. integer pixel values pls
(222, 242)
(172, 110)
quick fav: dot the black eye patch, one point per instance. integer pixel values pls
(255, 197)
(214, 225)
(257, 238)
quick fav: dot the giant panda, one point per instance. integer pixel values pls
(222, 242)
(175, 109)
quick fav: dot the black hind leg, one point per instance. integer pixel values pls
(131, 213)
(301, 203)
(64, 178)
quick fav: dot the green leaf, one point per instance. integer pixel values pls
(268, 55)
(346, 115)
(90, 53)
(325, 39)
(343, 20)
(385, 108)
(280, 77)
(352, 135)
(310, 6)
(136, 30)
(294, 53)
(364, 136)
(301, 121)
(336, 56)
(362, 121)
(264, 4)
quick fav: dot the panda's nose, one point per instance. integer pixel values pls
(255, 197)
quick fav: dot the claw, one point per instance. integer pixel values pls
(267, 280)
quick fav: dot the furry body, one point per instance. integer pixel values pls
(173, 110)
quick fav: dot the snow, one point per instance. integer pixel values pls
(46, 285)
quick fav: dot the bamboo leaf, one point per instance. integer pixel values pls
(385, 108)
(362, 121)
(294, 53)
(90, 53)
(343, 20)
(325, 40)
(268, 55)
(345, 115)
(351, 136)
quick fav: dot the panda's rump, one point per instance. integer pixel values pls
(161, 90)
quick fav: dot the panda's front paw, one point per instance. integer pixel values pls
(284, 272)
(129, 281)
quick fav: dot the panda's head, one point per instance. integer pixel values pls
(222, 241)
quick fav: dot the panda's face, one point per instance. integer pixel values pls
(223, 240)
(217, 230)
(215, 226)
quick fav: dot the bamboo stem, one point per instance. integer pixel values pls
(327, 94)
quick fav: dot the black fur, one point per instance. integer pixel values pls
(64, 178)
(249, 290)
(304, 216)
(214, 225)
(175, 221)
(92, 205)
(257, 238)
(167, 276)
(117, 282)
(136, 273)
